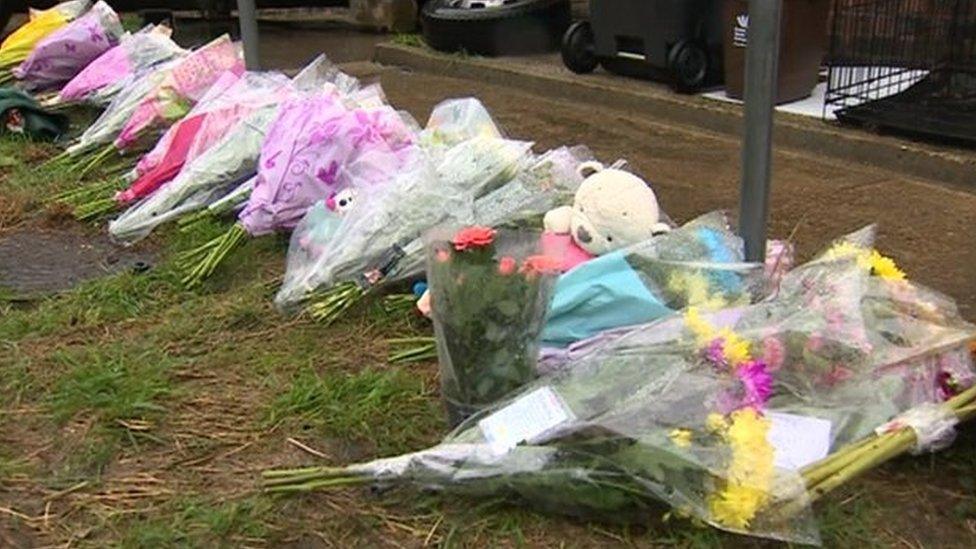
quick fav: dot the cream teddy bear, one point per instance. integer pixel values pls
(612, 209)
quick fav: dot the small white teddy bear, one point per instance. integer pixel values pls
(612, 209)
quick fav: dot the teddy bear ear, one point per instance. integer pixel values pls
(586, 169)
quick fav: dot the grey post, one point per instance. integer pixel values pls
(762, 58)
(249, 33)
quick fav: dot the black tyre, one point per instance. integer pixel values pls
(495, 27)
(6, 10)
(688, 64)
(578, 48)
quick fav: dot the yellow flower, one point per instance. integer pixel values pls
(703, 331)
(736, 505)
(681, 437)
(843, 249)
(750, 471)
(885, 267)
(736, 349)
(716, 422)
(695, 288)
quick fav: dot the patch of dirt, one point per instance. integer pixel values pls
(43, 258)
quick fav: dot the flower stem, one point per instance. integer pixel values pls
(213, 253)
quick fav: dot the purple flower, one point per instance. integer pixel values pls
(756, 381)
(715, 353)
(71, 47)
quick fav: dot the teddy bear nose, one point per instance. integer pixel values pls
(583, 235)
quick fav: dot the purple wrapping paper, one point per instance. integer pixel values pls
(309, 155)
(66, 52)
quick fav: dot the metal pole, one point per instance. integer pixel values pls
(249, 32)
(762, 58)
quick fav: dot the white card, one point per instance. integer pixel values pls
(798, 441)
(524, 419)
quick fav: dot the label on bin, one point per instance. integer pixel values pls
(525, 419)
(740, 33)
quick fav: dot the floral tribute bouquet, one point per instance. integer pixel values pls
(182, 86)
(16, 47)
(739, 417)
(701, 263)
(106, 76)
(503, 185)
(307, 157)
(230, 162)
(230, 99)
(491, 291)
(64, 53)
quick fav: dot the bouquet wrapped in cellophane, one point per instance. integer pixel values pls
(701, 263)
(181, 87)
(491, 289)
(107, 75)
(232, 97)
(308, 155)
(483, 180)
(230, 161)
(19, 44)
(64, 53)
(739, 417)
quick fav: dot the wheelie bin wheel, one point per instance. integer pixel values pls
(578, 48)
(688, 64)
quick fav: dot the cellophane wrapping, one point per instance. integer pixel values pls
(59, 57)
(490, 291)
(420, 197)
(310, 153)
(701, 264)
(702, 411)
(41, 24)
(106, 76)
(107, 126)
(231, 161)
(229, 100)
(182, 85)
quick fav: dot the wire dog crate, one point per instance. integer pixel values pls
(905, 65)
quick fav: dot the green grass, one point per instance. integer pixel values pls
(114, 384)
(391, 406)
(413, 40)
(197, 523)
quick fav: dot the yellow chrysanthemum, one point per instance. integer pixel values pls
(699, 326)
(843, 249)
(736, 505)
(680, 437)
(735, 349)
(716, 423)
(885, 267)
(750, 472)
(696, 290)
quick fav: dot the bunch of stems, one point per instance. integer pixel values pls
(860, 457)
(201, 262)
(328, 305)
(406, 350)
